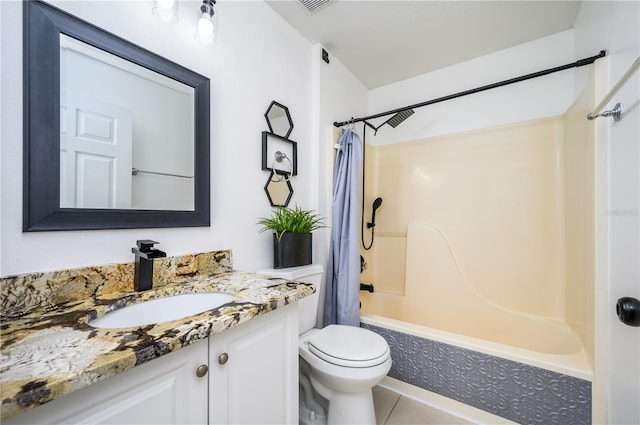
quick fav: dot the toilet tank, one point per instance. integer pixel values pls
(307, 307)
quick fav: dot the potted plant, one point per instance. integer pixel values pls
(292, 238)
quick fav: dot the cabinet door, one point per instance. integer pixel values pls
(254, 371)
(163, 391)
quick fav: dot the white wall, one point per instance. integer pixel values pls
(339, 96)
(258, 58)
(613, 25)
(538, 98)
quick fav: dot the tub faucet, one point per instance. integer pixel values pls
(145, 253)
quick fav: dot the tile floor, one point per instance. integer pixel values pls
(395, 409)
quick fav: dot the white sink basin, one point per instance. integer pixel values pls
(162, 310)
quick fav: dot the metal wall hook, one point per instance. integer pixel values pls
(616, 113)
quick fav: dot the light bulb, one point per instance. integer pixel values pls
(206, 29)
(166, 10)
(208, 23)
(205, 26)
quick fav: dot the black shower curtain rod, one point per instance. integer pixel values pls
(582, 62)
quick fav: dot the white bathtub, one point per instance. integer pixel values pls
(571, 363)
(447, 338)
(440, 304)
(470, 377)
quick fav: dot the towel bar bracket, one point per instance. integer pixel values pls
(616, 113)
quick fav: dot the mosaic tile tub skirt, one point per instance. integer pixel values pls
(516, 391)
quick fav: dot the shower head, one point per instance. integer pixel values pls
(399, 118)
(376, 204)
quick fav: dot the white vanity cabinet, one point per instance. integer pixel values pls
(252, 378)
(254, 371)
(165, 390)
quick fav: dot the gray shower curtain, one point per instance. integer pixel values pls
(342, 296)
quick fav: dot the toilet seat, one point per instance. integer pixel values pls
(349, 346)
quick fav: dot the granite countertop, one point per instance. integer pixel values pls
(50, 351)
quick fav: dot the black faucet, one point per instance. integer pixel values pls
(145, 253)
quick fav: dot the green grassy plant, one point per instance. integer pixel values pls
(292, 220)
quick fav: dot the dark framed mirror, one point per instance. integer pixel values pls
(279, 154)
(279, 119)
(67, 187)
(278, 189)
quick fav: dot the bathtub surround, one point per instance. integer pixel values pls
(490, 235)
(515, 391)
(522, 253)
(49, 350)
(496, 196)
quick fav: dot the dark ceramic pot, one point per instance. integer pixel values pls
(292, 250)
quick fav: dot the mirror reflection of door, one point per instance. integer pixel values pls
(152, 129)
(95, 154)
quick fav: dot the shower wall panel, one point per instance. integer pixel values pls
(579, 164)
(498, 196)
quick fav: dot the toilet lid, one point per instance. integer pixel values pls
(349, 346)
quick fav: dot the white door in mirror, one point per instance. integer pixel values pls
(162, 310)
(95, 154)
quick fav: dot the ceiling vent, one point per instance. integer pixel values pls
(314, 6)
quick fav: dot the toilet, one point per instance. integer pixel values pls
(338, 364)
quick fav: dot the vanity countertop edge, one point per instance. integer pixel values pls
(53, 351)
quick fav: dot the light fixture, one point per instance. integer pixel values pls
(166, 10)
(208, 23)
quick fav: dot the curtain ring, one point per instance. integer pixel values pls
(278, 157)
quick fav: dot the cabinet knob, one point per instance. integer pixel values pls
(202, 370)
(223, 358)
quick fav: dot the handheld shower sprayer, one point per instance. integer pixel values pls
(370, 225)
(376, 204)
